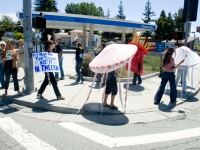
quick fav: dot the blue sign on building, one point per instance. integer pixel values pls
(160, 47)
(168, 45)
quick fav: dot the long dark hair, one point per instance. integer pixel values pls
(167, 56)
(47, 44)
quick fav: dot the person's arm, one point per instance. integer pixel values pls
(178, 64)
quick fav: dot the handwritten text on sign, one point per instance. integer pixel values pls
(45, 62)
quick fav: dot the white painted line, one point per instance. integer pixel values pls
(133, 140)
(26, 139)
(92, 135)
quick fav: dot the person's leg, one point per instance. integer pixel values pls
(54, 84)
(98, 78)
(134, 78)
(173, 91)
(185, 72)
(105, 99)
(56, 75)
(14, 75)
(7, 74)
(80, 76)
(61, 68)
(112, 100)
(161, 89)
(43, 86)
(78, 71)
(178, 75)
(139, 79)
(2, 76)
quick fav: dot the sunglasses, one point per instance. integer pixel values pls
(2, 45)
(13, 43)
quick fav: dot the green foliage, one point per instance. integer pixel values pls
(46, 5)
(121, 14)
(178, 20)
(170, 27)
(18, 27)
(6, 25)
(160, 32)
(19, 35)
(84, 8)
(85, 70)
(108, 13)
(148, 14)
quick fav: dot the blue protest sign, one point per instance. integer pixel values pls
(45, 62)
(160, 46)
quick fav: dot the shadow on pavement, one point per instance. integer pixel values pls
(96, 86)
(166, 108)
(136, 88)
(106, 119)
(72, 84)
(8, 107)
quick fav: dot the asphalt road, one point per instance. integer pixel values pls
(25, 128)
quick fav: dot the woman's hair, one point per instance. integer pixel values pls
(8, 43)
(79, 45)
(103, 45)
(47, 44)
(167, 56)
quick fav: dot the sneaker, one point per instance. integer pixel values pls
(62, 78)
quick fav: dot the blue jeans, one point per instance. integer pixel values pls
(167, 76)
(182, 73)
(60, 59)
(78, 68)
(2, 75)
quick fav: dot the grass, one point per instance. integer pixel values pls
(151, 65)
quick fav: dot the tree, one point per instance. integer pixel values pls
(121, 14)
(108, 13)
(6, 25)
(46, 5)
(161, 31)
(84, 8)
(18, 27)
(19, 35)
(179, 25)
(148, 17)
(170, 27)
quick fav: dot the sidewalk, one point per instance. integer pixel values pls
(140, 97)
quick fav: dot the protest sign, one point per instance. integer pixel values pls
(45, 62)
(9, 54)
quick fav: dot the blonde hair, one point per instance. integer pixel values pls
(79, 45)
(8, 44)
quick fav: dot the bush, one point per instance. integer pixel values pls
(85, 70)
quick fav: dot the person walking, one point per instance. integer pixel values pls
(103, 45)
(79, 61)
(49, 76)
(182, 74)
(2, 48)
(111, 88)
(20, 60)
(59, 51)
(168, 75)
(9, 58)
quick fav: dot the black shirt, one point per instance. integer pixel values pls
(58, 48)
(78, 52)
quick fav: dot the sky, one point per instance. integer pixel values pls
(133, 9)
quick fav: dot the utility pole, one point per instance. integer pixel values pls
(28, 46)
(187, 23)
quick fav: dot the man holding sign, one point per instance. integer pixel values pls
(47, 62)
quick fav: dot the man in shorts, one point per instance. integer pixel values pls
(111, 88)
(20, 61)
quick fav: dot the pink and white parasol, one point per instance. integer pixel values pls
(113, 57)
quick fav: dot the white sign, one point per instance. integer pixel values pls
(45, 62)
(9, 54)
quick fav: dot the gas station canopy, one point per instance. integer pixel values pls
(74, 21)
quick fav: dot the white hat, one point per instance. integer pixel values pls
(2, 42)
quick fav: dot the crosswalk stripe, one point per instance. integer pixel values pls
(92, 135)
(132, 140)
(26, 139)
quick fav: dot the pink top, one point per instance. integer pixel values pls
(169, 67)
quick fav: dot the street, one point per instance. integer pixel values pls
(27, 128)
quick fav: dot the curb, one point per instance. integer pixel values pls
(121, 79)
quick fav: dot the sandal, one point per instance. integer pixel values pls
(114, 107)
(60, 98)
(106, 105)
(39, 96)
